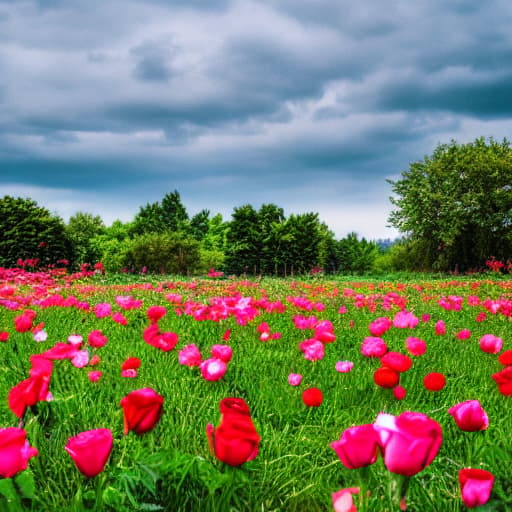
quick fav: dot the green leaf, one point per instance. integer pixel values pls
(26, 484)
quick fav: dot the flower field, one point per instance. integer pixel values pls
(218, 394)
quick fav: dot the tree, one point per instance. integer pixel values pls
(356, 255)
(174, 214)
(243, 241)
(270, 218)
(29, 231)
(199, 224)
(149, 219)
(455, 206)
(82, 228)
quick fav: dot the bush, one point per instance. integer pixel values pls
(167, 253)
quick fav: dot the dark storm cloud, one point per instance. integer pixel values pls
(311, 105)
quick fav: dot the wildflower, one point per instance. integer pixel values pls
(415, 346)
(342, 500)
(475, 486)
(434, 381)
(190, 355)
(469, 416)
(213, 369)
(373, 347)
(409, 442)
(358, 446)
(491, 344)
(90, 450)
(312, 397)
(15, 451)
(142, 410)
(386, 377)
(294, 379)
(235, 441)
(344, 366)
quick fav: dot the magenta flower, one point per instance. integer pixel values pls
(358, 446)
(440, 328)
(342, 500)
(344, 366)
(294, 379)
(312, 349)
(491, 344)
(475, 486)
(103, 310)
(415, 346)
(94, 376)
(380, 325)
(130, 373)
(223, 352)
(80, 359)
(373, 347)
(119, 318)
(15, 451)
(469, 416)
(213, 369)
(463, 334)
(405, 320)
(190, 355)
(96, 339)
(409, 442)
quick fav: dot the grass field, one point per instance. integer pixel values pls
(171, 467)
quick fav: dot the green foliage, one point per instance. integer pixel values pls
(81, 229)
(356, 255)
(457, 204)
(29, 231)
(158, 217)
(111, 244)
(168, 253)
(199, 224)
(210, 258)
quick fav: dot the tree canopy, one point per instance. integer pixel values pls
(455, 206)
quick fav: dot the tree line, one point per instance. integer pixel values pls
(453, 208)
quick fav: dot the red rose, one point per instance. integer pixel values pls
(313, 397)
(142, 409)
(434, 381)
(235, 440)
(386, 377)
(504, 380)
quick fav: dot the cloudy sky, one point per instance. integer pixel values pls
(106, 105)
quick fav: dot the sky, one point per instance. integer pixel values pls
(107, 105)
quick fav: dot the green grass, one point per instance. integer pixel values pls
(170, 468)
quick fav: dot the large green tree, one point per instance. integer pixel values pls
(82, 227)
(455, 206)
(29, 231)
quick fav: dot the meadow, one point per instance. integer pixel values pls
(313, 327)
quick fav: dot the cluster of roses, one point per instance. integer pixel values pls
(409, 443)
(213, 368)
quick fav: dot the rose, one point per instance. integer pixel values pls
(90, 450)
(469, 416)
(14, 451)
(142, 410)
(235, 440)
(475, 486)
(357, 447)
(409, 442)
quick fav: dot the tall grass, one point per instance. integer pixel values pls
(170, 468)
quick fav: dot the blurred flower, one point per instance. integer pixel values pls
(155, 313)
(90, 450)
(463, 334)
(440, 328)
(386, 377)
(96, 339)
(235, 440)
(213, 369)
(358, 446)
(15, 451)
(190, 355)
(312, 397)
(222, 352)
(396, 361)
(94, 376)
(380, 325)
(469, 416)
(342, 500)
(344, 366)
(373, 347)
(491, 344)
(434, 381)
(409, 442)
(294, 379)
(503, 379)
(475, 486)
(399, 392)
(415, 346)
(142, 410)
